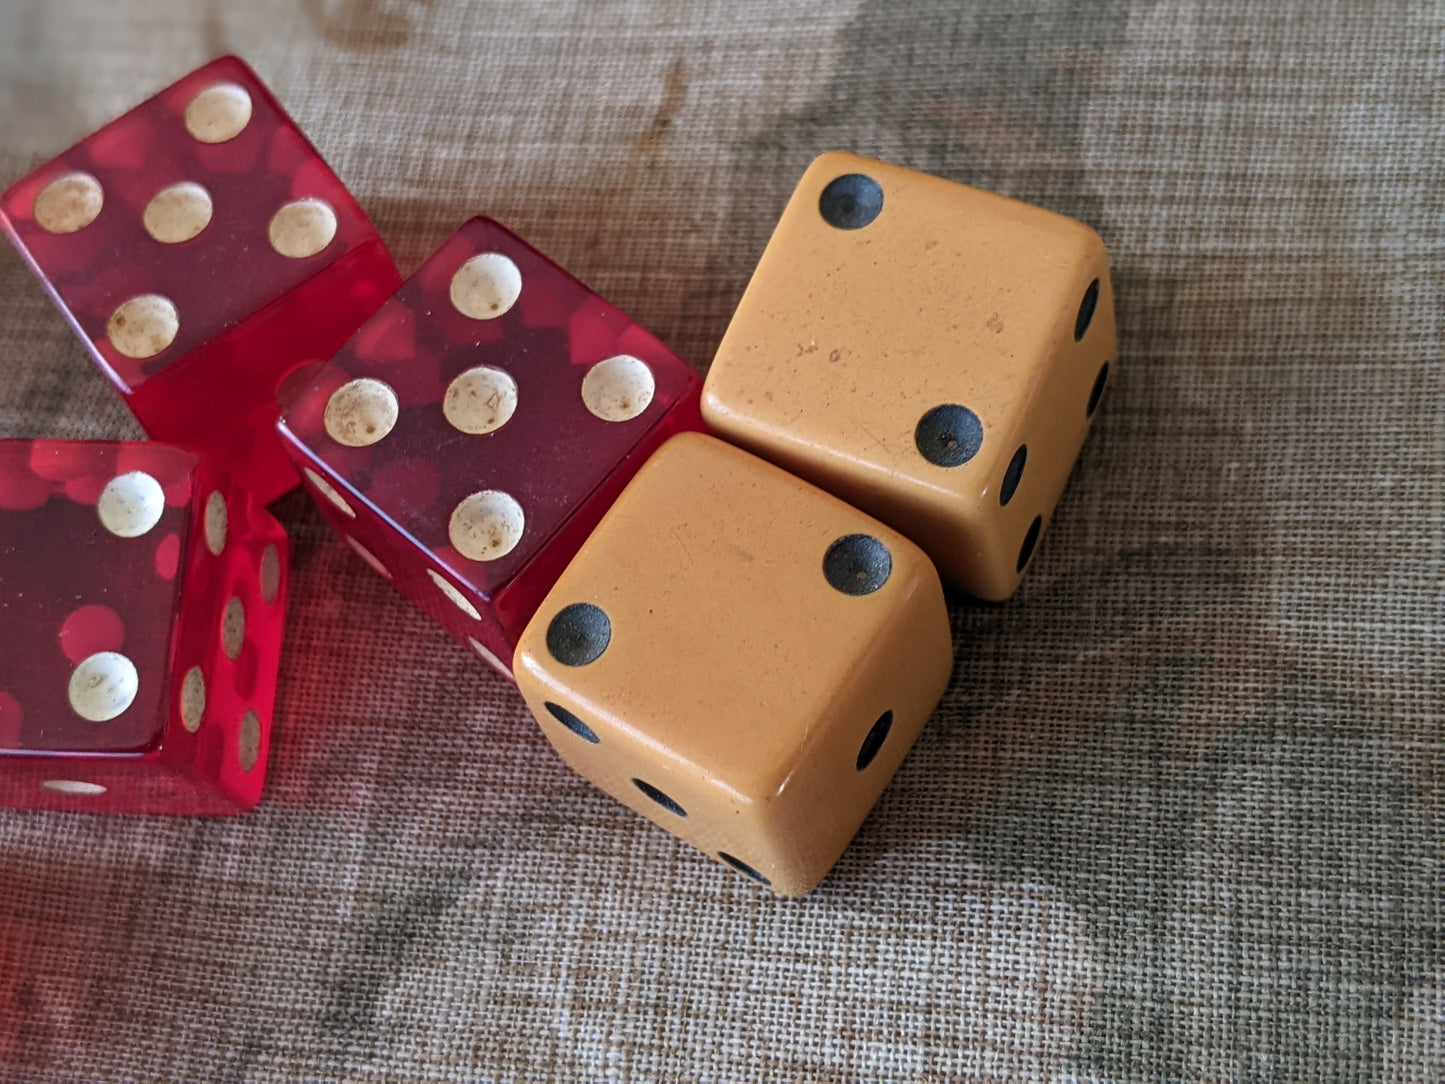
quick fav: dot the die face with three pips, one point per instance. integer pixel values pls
(469, 437)
(931, 353)
(142, 598)
(208, 259)
(739, 657)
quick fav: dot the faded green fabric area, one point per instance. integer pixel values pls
(1178, 816)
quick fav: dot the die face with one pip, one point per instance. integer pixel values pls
(741, 658)
(142, 596)
(931, 353)
(473, 432)
(209, 260)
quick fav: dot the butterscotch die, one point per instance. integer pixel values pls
(741, 658)
(930, 353)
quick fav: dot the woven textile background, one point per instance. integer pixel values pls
(1179, 815)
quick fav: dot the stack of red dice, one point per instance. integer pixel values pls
(210, 261)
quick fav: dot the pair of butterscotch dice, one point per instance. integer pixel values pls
(747, 646)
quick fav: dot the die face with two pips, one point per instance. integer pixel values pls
(741, 658)
(142, 598)
(472, 433)
(931, 353)
(208, 258)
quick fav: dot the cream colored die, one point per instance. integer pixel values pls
(739, 657)
(930, 353)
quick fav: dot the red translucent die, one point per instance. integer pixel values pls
(142, 595)
(471, 435)
(205, 254)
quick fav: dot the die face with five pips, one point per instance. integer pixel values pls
(143, 597)
(208, 258)
(931, 353)
(469, 437)
(741, 658)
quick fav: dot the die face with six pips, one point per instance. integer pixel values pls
(143, 599)
(931, 353)
(472, 433)
(208, 258)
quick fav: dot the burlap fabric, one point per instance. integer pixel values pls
(1179, 815)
